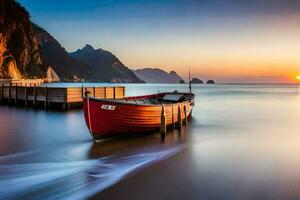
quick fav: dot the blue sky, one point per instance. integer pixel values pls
(229, 40)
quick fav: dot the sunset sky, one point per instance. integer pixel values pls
(226, 40)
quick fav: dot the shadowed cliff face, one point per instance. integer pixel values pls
(19, 51)
(104, 66)
(56, 57)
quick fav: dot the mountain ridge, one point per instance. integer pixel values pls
(106, 64)
(157, 75)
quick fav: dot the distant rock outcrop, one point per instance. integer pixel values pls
(104, 66)
(182, 82)
(210, 82)
(196, 81)
(155, 75)
(52, 76)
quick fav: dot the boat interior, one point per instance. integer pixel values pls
(155, 99)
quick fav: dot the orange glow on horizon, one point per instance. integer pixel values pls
(264, 52)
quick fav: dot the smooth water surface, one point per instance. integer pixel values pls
(243, 142)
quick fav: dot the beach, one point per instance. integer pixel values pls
(241, 143)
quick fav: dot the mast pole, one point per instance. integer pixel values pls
(190, 84)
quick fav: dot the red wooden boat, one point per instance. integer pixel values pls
(139, 114)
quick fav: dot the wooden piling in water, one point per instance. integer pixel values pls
(114, 91)
(82, 92)
(185, 115)
(9, 94)
(26, 96)
(173, 121)
(2, 93)
(179, 121)
(46, 98)
(34, 95)
(163, 126)
(16, 94)
(65, 106)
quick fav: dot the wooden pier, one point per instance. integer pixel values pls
(22, 82)
(54, 97)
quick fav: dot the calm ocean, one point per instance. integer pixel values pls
(243, 142)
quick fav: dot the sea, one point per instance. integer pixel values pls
(243, 142)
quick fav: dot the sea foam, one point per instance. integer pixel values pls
(72, 179)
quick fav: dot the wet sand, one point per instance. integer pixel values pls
(180, 177)
(168, 179)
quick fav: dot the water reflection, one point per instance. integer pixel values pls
(242, 143)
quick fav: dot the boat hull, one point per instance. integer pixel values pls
(108, 119)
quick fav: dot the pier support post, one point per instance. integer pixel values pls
(46, 97)
(114, 90)
(82, 92)
(179, 121)
(26, 96)
(9, 94)
(34, 95)
(66, 106)
(2, 93)
(65, 103)
(163, 126)
(104, 92)
(94, 91)
(16, 94)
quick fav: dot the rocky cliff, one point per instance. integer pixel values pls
(19, 52)
(28, 51)
(155, 75)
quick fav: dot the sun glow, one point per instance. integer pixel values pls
(298, 77)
